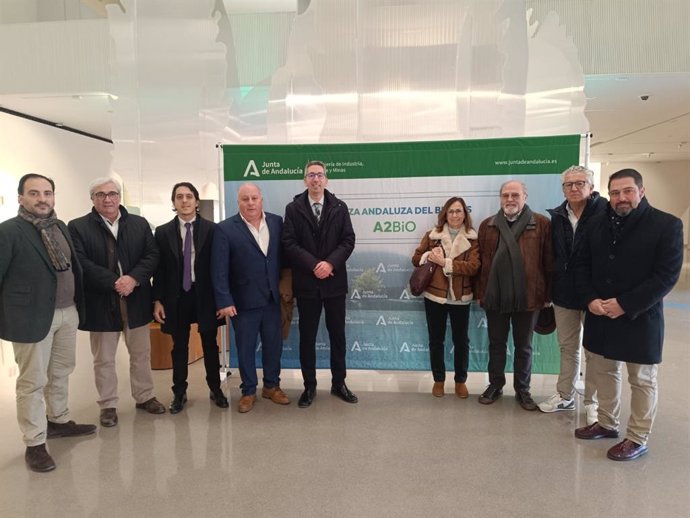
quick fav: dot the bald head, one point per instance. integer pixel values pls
(250, 203)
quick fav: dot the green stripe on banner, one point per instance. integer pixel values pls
(505, 156)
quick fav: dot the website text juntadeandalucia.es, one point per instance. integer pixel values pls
(531, 161)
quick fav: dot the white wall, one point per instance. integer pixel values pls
(70, 159)
(667, 186)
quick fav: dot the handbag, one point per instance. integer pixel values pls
(421, 276)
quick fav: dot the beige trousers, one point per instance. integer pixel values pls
(104, 349)
(569, 324)
(43, 381)
(643, 395)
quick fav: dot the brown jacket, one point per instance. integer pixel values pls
(537, 257)
(462, 264)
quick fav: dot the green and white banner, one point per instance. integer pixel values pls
(394, 192)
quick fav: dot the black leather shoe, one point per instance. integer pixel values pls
(490, 395)
(219, 399)
(38, 459)
(344, 393)
(178, 403)
(69, 429)
(525, 399)
(307, 398)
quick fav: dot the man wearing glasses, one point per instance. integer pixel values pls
(317, 240)
(568, 223)
(119, 256)
(631, 258)
(514, 284)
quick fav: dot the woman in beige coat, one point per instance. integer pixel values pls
(452, 244)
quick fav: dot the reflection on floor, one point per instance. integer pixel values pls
(399, 452)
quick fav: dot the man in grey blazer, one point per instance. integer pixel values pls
(41, 302)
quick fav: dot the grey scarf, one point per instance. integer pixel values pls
(46, 228)
(506, 290)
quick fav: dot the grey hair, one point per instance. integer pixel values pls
(524, 187)
(97, 182)
(248, 184)
(315, 162)
(579, 169)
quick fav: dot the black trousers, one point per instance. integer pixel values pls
(186, 316)
(309, 316)
(436, 319)
(498, 325)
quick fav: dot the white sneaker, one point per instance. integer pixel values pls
(591, 411)
(556, 403)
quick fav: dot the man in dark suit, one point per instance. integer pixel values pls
(41, 302)
(318, 238)
(630, 260)
(183, 293)
(245, 268)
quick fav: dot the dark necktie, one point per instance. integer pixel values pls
(187, 259)
(317, 211)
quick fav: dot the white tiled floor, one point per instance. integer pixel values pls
(399, 452)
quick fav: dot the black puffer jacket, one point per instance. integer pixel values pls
(137, 253)
(306, 243)
(565, 246)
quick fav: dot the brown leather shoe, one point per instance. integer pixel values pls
(276, 395)
(152, 406)
(108, 417)
(38, 459)
(626, 450)
(437, 390)
(595, 431)
(461, 391)
(246, 403)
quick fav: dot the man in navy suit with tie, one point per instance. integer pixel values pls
(245, 267)
(183, 293)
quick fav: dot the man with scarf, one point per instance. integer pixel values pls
(513, 285)
(40, 307)
(630, 259)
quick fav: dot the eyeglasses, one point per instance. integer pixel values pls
(313, 176)
(569, 185)
(454, 212)
(628, 191)
(103, 195)
(511, 195)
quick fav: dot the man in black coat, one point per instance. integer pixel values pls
(318, 239)
(568, 224)
(119, 256)
(630, 259)
(41, 301)
(183, 293)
